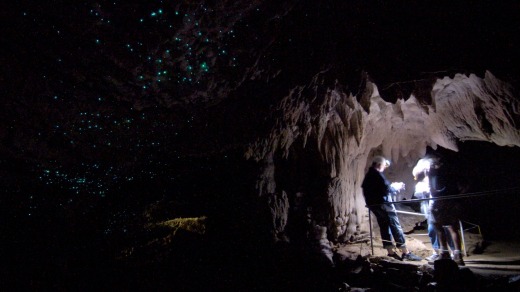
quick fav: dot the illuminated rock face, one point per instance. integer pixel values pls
(316, 156)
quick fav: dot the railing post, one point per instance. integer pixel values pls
(370, 224)
(463, 247)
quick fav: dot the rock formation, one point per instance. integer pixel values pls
(325, 137)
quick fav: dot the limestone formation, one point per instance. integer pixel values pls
(335, 133)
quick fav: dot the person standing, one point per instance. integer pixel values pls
(422, 191)
(377, 190)
(444, 214)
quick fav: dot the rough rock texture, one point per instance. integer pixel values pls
(343, 131)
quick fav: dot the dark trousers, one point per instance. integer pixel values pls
(389, 226)
(432, 233)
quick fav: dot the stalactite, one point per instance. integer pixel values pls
(279, 208)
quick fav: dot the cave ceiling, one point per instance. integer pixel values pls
(133, 83)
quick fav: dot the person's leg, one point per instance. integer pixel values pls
(433, 236)
(444, 252)
(397, 232)
(396, 229)
(451, 242)
(455, 235)
(384, 228)
(435, 243)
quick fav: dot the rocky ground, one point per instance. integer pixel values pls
(490, 265)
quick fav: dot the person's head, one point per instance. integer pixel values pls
(435, 159)
(421, 168)
(380, 163)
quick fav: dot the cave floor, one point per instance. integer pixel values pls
(487, 258)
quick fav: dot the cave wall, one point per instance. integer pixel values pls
(343, 131)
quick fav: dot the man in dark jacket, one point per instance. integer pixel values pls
(444, 214)
(377, 190)
(422, 191)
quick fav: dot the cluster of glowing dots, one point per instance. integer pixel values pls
(78, 183)
(106, 127)
(186, 53)
(91, 177)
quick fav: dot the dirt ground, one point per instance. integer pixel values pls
(481, 256)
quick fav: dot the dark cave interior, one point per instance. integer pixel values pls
(492, 168)
(95, 140)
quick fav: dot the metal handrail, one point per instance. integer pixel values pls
(451, 197)
(457, 196)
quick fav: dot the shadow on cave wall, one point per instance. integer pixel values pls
(304, 177)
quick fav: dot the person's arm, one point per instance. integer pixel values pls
(419, 195)
(396, 186)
